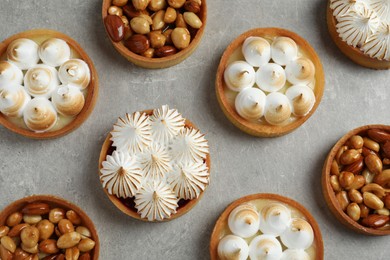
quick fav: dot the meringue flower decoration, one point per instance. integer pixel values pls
(378, 44)
(189, 180)
(233, 247)
(121, 175)
(342, 7)
(155, 162)
(382, 8)
(132, 133)
(156, 201)
(165, 124)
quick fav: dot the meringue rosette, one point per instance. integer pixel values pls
(68, 100)
(156, 201)
(302, 99)
(10, 74)
(54, 52)
(275, 218)
(75, 72)
(244, 221)
(300, 71)
(239, 75)
(257, 51)
(283, 50)
(277, 109)
(233, 247)
(265, 247)
(13, 100)
(299, 235)
(250, 103)
(23, 53)
(40, 115)
(121, 175)
(295, 254)
(270, 77)
(171, 156)
(41, 80)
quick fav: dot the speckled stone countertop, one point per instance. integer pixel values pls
(241, 165)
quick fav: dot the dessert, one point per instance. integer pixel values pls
(46, 227)
(266, 226)
(155, 33)
(356, 179)
(361, 29)
(154, 165)
(269, 82)
(48, 84)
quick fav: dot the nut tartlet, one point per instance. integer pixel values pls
(266, 225)
(41, 226)
(48, 84)
(356, 180)
(269, 82)
(143, 31)
(361, 30)
(154, 165)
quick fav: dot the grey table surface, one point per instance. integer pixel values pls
(241, 164)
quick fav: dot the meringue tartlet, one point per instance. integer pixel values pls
(154, 165)
(269, 81)
(266, 226)
(48, 84)
(361, 30)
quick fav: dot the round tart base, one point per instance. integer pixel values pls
(329, 194)
(54, 201)
(223, 220)
(127, 206)
(159, 63)
(263, 129)
(92, 89)
(351, 52)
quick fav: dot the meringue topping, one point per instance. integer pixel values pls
(76, 72)
(40, 115)
(295, 254)
(239, 75)
(189, 145)
(121, 175)
(382, 8)
(283, 50)
(378, 44)
(250, 103)
(244, 220)
(10, 74)
(302, 99)
(132, 133)
(232, 247)
(299, 235)
(155, 162)
(156, 201)
(300, 71)
(54, 52)
(270, 77)
(356, 26)
(342, 7)
(189, 180)
(68, 100)
(41, 80)
(257, 51)
(165, 124)
(275, 218)
(23, 53)
(277, 109)
(13, 100)
(265, 247)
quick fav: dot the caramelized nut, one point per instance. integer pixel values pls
(373, 163)
(16, 230)
(85, 256)
(147, 18)
(355, 196)
(181, 38)
(387, 201)
(192, 20)
(349, 156)
(115, 27)
(346, 179)
(176, 3)
(364, 210)
(86, 245)
(140, 4)
(192, 6)
(30, 237)
(137, 43)
(165, 51)
(119, 2)
(157, 39)
(83, 231)
(170, 15)
(157, 5)
(386, 149)
(383, 179)
(366, 152)
(334, 182)
(20, 254)
(375, 221)
(374, 188)
(32, 219)
(8, 243)
(343, 200)
(72, 253)
(355, 142)
(115, 10)
(167, 34)
(369, 176)
(355, 167)
(378, 135)
(125, 22)
(56, 214)
(370, 144)
(45, 228)
(353, 211)
(334, 168)
(357, 183)
(140, 25)
(68, 240)
(180, 22)
(73, 217)
(149, 53)
(131, 12)
(31, 250)
(158, 20)
(372, 201)
(5, 254)
(36, 208)
(48, 246)
(14, 219)
(384, 212)
(65, 226)
(4, 231)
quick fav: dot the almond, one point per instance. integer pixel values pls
(386, 149)
(192, 6)
(355, 167)
(165, 51)
(379, 135)
(36, 209)
(137, 43)
(375, 221)
(115, 27)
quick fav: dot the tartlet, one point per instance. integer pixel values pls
(54, 202)
(266, 88)
(246, 216)
(136, 198)
(330, 194)
(61, 118)
(164, 62)
(368, 43)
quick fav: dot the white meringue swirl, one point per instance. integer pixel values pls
(342, 7)
(68, 100)
(250, 103)
(54, 52)
(300, 71)
(283, 50)
(382, 8)
(275, 218)
(244, 220)
(23, 53)
(257, 51)
(155, 162)
(40, 115)
(277, 109)
(13, 100)
(76, 72)
(302, 99)
(271, 77)
(299, 235)
(233, 247)
(265, 247)
(10, 74)
(378, 44)
(41, 80)
(295, 254)
(239, 75)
